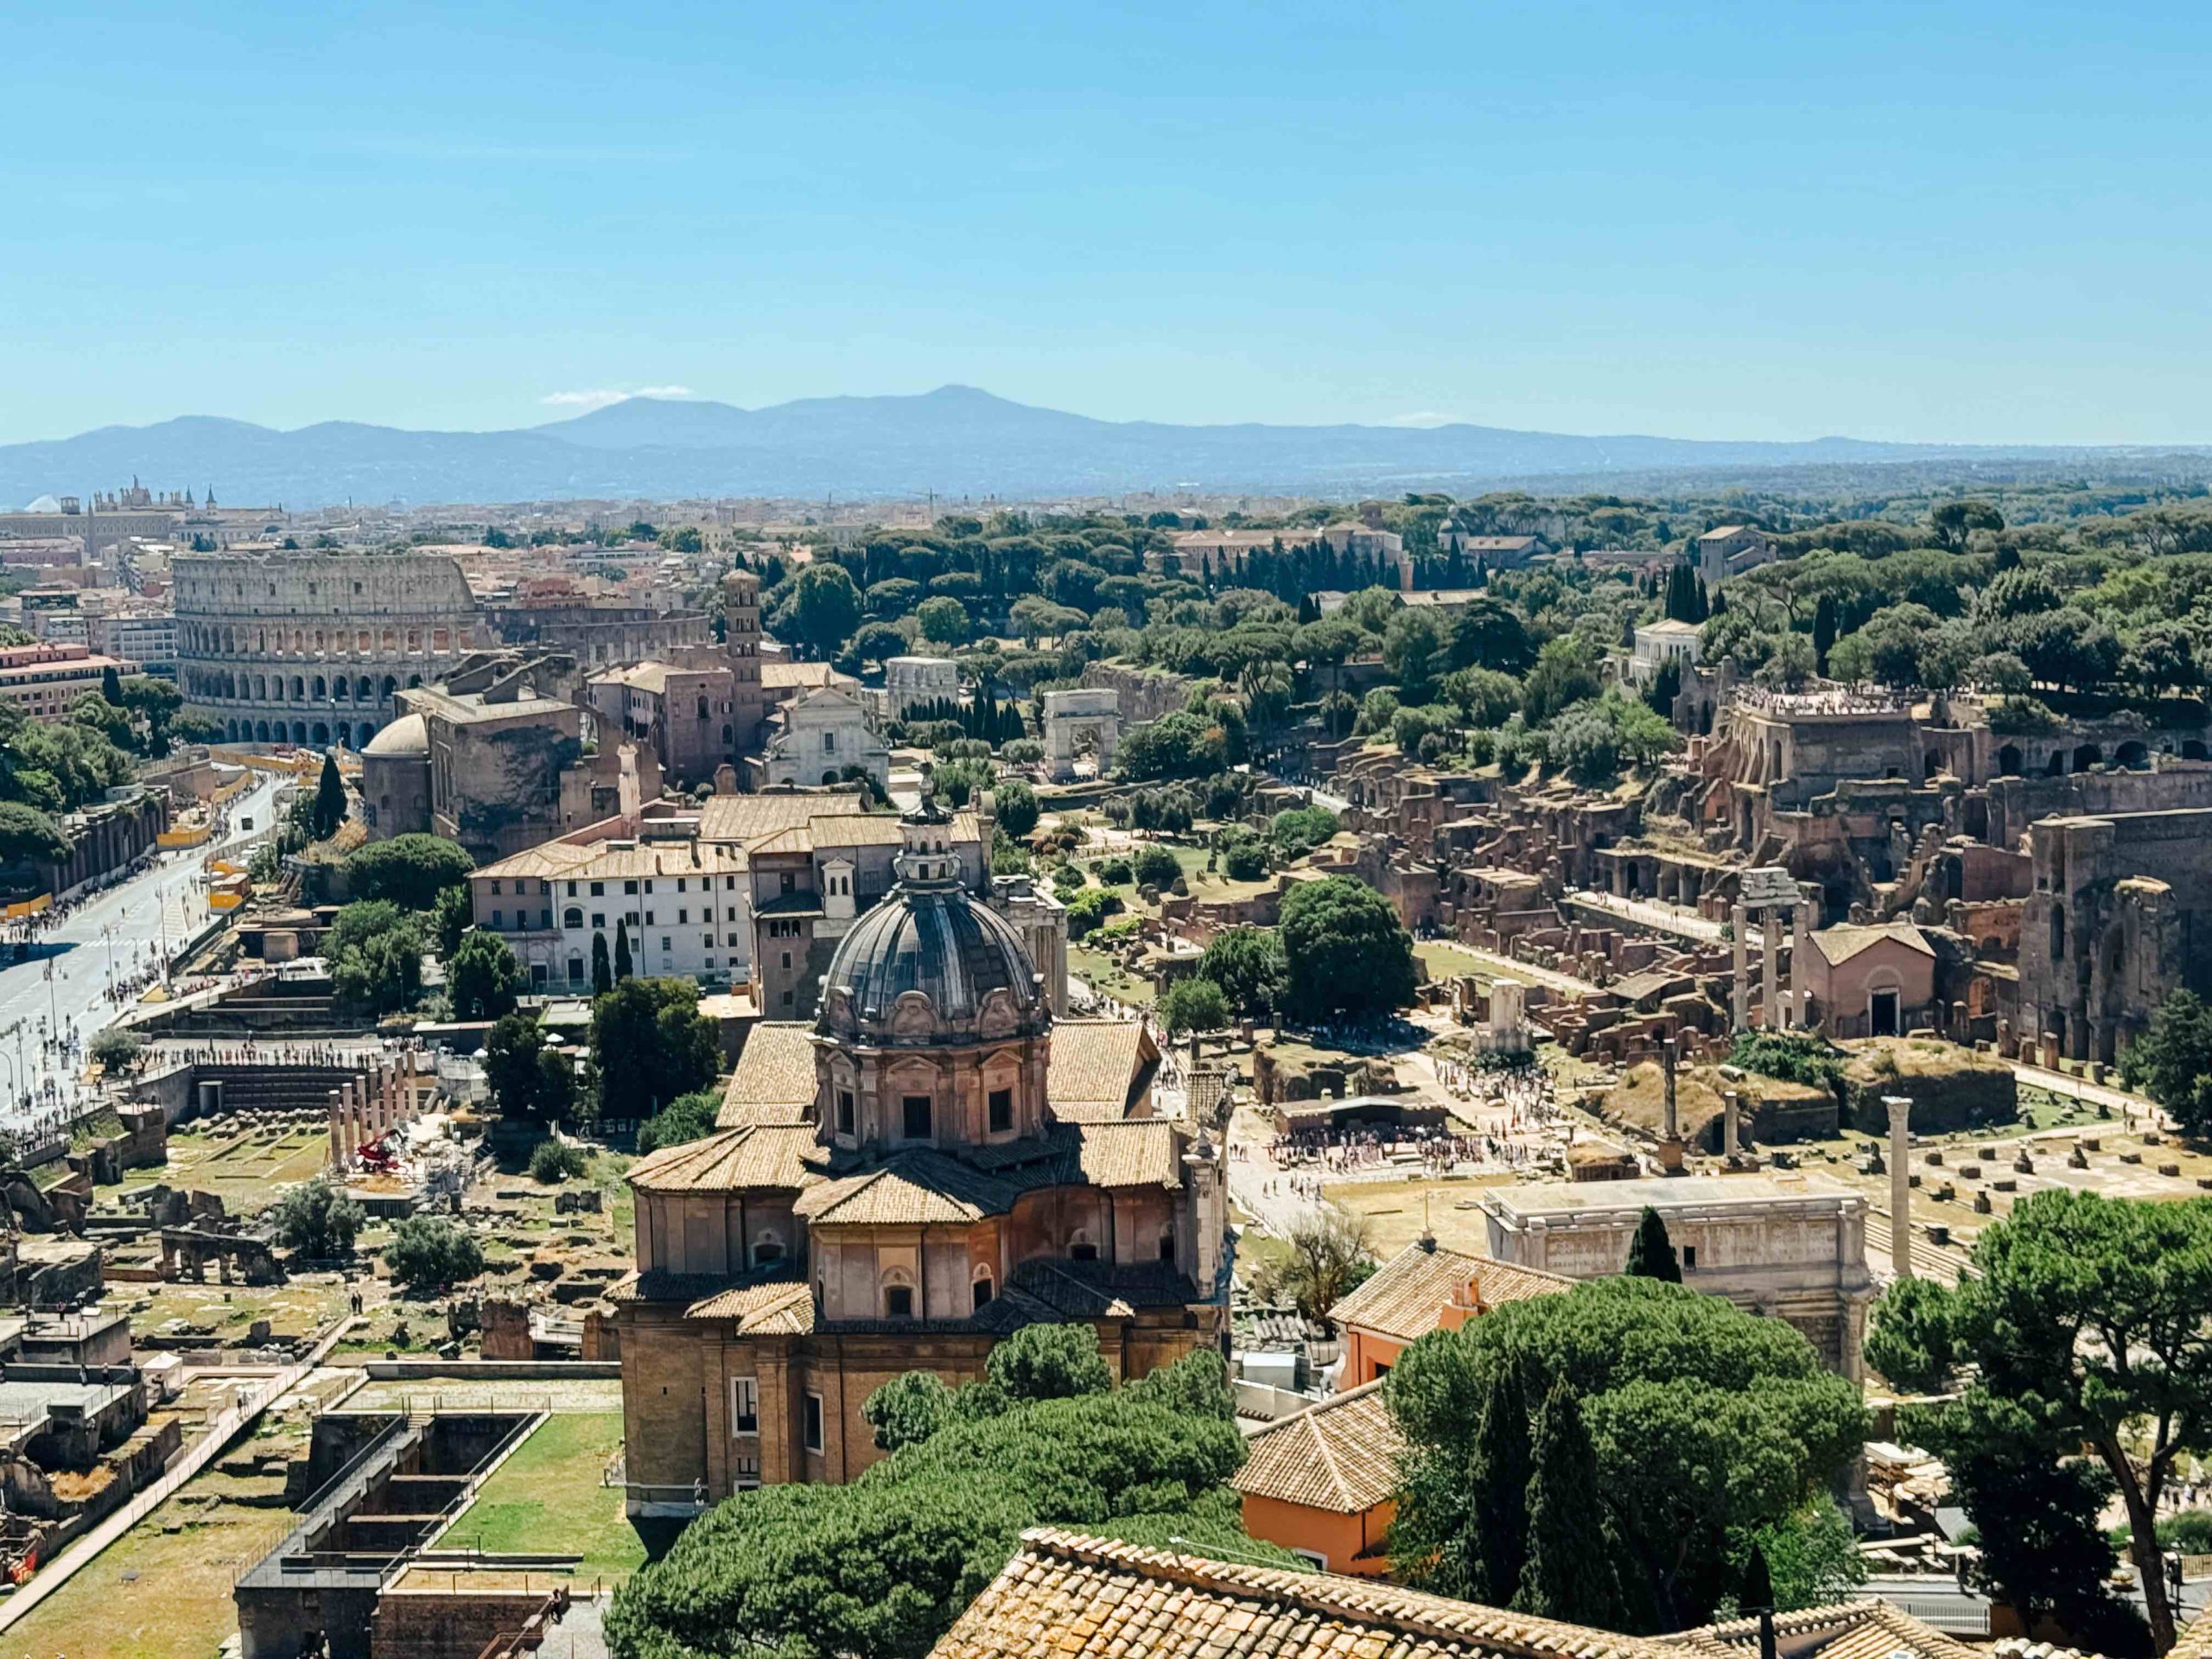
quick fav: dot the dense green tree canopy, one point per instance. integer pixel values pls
(2084, 1324)
(483, 979)
(1708, 1422)
(879, 1569)
(650, 1043)
(1344, 951)
(410, 870)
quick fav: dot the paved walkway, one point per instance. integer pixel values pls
(1644, 912)
(221, 1434)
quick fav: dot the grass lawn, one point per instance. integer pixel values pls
(1107, 976)
(163, 1590)
(547, 1499)
(1394, 1211)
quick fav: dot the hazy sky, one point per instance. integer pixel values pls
(1969, 221)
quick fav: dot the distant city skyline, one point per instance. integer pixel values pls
(1953, 224)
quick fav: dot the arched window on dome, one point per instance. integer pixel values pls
(1167, 1248)
(767, 1249)
(897, 1294)
(985, 1289)
(1080, 1246)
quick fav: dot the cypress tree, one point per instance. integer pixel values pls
(1569, 1572)
(111, 686)
(622, 964)
(1498, 1473)
(1651, 1253)
(329, 809)
(602, 977)
(1823, 630)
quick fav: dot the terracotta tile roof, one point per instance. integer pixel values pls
(1100, 1069)
(1406, 1298)
(1096, 1290)
(1341, 1455)
(747, 818)
(1840, 944)
(605, 861)
(774, 1079)
(910, 1189)
(777, 1307)
(729, 1160)
(1073, 1597)
(794, 677)
(1143, 1153)
(828, 832)
(1849, 1629)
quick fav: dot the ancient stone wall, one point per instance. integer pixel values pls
(311, 648)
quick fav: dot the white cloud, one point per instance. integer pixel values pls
(600, 397)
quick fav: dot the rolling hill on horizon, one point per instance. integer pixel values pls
(957, 441)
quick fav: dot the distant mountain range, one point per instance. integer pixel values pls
(957, 441)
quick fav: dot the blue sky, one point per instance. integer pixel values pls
(1972, 221)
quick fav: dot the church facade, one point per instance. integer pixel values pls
(927, 1198)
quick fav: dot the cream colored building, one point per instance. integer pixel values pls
(1791, 1246)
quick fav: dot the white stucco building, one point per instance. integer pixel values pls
(1658, 644)
(815, 736)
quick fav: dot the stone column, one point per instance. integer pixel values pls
(1800, 1015)
(1731, 1123)
(337, 1132)
(1667, 1081)
(1900, 1185)
(1741, 995)
(1770, 968)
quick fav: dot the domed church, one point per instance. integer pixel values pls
(925, 1201)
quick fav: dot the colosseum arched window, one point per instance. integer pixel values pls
(319, 692)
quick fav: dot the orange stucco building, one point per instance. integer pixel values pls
(1425, 1288)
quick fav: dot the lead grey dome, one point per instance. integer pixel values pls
(928, 936)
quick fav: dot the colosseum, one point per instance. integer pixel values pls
(310, 647)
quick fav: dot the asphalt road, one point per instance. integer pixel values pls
(125, 924)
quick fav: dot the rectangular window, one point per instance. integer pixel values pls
(664, 944)
(648, 918)
(545, 918)
(496, 919)
(599, 918)
(629, 886)
(745, 1473)
(1002, 1105)
(811, 1430)
(844, 1111)
(744, 1405)
(1689, 1255)
(915, 1113)
(495, 886)
(599, 889)
(683, 916)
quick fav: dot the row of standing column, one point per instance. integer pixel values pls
(1781, 1010)
(365, 1109)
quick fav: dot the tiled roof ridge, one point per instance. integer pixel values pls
(1364, 1599)
(1728, 1635)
